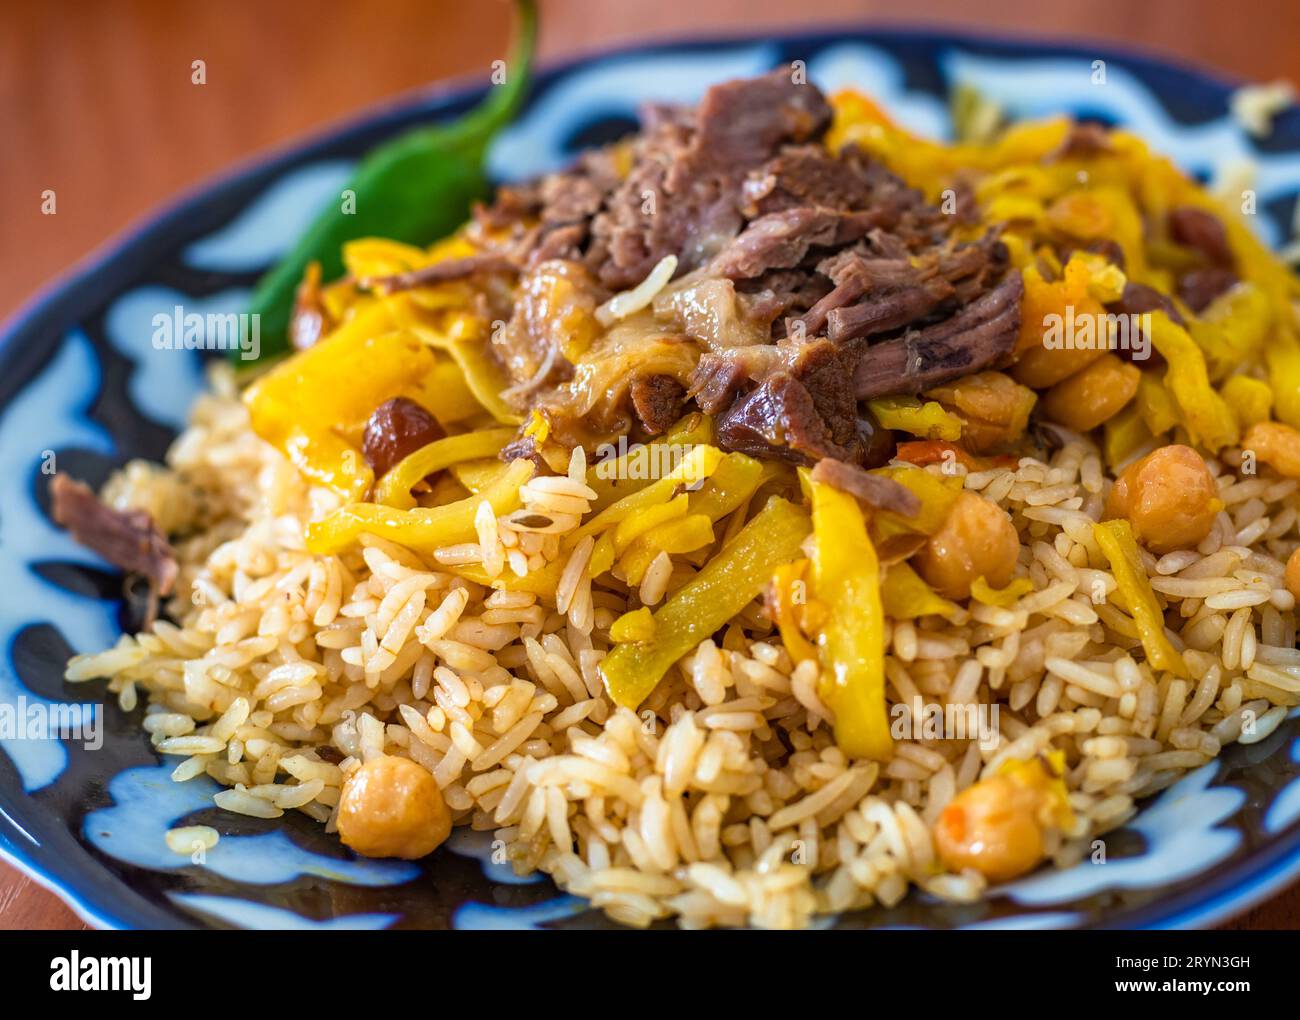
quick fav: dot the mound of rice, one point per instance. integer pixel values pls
(725, 801)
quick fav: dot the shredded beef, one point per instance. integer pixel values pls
(128, 539)
(846, 282)
(441, 272)
(683, 195)
(805, 175)
(888, 312)
(800, 413)
(658, 401)
(874, 490)
(978, 336)
(781, 240)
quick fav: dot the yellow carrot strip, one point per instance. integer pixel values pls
(1136, 597)
(602, 556)
(704, 604)
(1155, 403)
(636, 625)
(697, 465)
(394, 489)
(423, 529)
(784, 581)
(982, 591)
(462, 338)
(937, 494)
(905, 596)
(445, 392)
(735, 480)
(846, 580)
(477, 475)
(926, 419)
(304, 403)
(631, 528)
(1283, 358)
(1251, 400)
(612, 478)
(541, 582)
(1209, 420)
(674, 537)
(1124, 435)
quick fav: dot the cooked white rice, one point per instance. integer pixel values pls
(725, 801)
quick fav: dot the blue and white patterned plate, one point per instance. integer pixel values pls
(82, 386)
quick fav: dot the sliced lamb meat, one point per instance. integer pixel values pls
(643, 220)
(782, 292)
(874, 490)
(309, 321)
(899, 291)
(807, 175)
(442, 272)
(720, 377)
(795, 259)
(740, 123)
(848, 290)
(781, 240)
(658, 402)
(576, 196)
(717, 381)
(779, 419)
(1200, 287)
(892, 310)
(568, 202)
(512, 204)
(800, 414)
(1203, 231)
(560, 242)
(128, 539)
(975, 338)
(683, 195)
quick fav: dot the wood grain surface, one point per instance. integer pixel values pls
(96, 103)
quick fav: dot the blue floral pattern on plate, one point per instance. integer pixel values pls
(81, 381)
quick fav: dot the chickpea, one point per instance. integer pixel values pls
(1169, 497)
(1293, 574)
(1277, 445)
(995, 407)
(992, 827)
(1092, 396)
(977, 540)
(391, 807)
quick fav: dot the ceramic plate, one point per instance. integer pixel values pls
(82, 386)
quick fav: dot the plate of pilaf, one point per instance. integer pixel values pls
(823, 481)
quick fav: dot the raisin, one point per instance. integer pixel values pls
(1200, 287)
(1196, 228)
(878, 445)
(396, 429)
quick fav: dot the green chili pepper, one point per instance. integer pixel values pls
(416, 188)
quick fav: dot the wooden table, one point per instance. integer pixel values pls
(96, 103)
